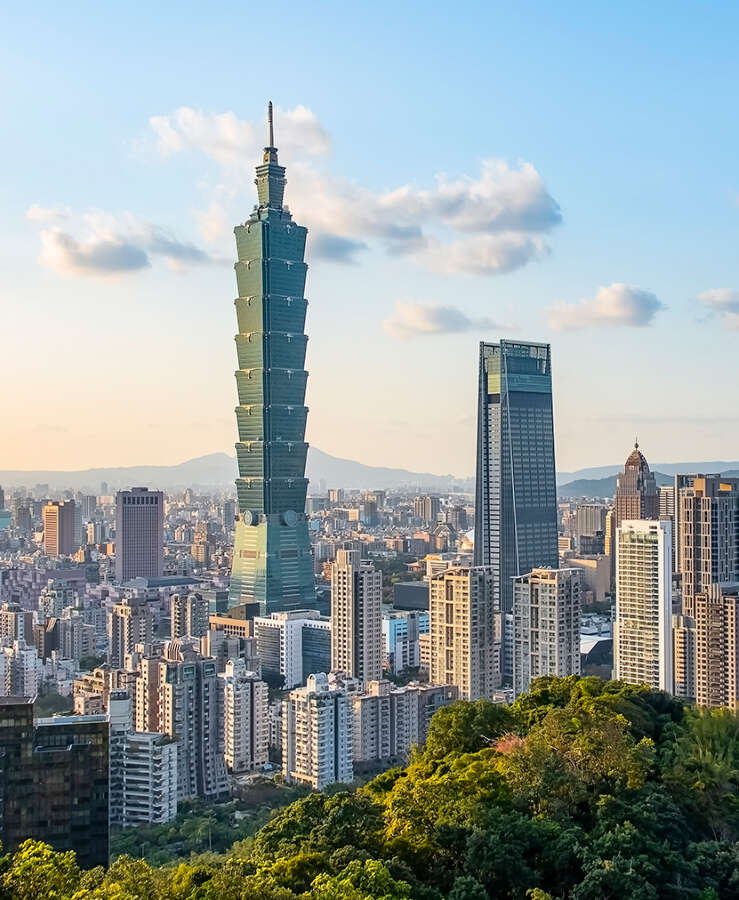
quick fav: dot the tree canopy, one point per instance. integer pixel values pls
(581, 790)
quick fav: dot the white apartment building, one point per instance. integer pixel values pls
(244, 718)
(465, 628)
(546, 625)
(129, 623)
(317, 734)
(289, 644)
(143, 770)
(356, 617)
(21, 670)
(642, 632)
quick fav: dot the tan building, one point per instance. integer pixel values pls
(465, 630)
(188, 615)
(546, 625)
(58, 518)
(129, 623)
(356, 617)
(636, 490)
(717, 646)
(595, 576)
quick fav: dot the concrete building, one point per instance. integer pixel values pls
(642, 638)
(427, 508)
(465, 629)
(356, 617)
(595, 576)
(143, 770)
(59, 528)
(717, 646)
(400, 633)
(189, 615)
(291, 644)
(244, 718)
(16, 624)
(178, 695)
(317, 734)
(21, 670)
(54, 598)
(139, 534)
(590, 519)
(129, 623)
(546, 626)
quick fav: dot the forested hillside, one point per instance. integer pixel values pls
(583, 789)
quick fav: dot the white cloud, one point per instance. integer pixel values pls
(613, 305)
(213, 222)
(488, 224)
(46, 214)
(412, 319)
(229, 140)
(725, 302)
(111, 245)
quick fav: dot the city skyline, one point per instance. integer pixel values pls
(125, 213)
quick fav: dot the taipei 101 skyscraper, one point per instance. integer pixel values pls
(272, 563)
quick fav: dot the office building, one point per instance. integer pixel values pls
(129, 623)
(642, 638)
(59, 528)
(139, 534)
(465, 629)
(244, 718)
(516, 495)
(54, 781)
(356, 617)
(143, 770)
(292, 644)
(595, 576)
(636, 490)
(272, 562)
(546, 626)
(590, 519)
(178, 694)
(189, 615)
(317, 734)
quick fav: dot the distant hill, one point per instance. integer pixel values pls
(598, 472)
(218, 470)
(606, 487)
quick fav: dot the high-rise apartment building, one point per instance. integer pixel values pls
(356, 617)
(178, 694)
(516, 495)
(590, 519)
(636, 490)
(427, 508)
(54, 781)
(667, 514)
(244, 718)
(642, 636)
(130, 622)
(707, 516)
(143, 769)
(59, 528)
(717, 646)
(189, 615)
(546, 617)
(272, 562)
(465, 629)
(139, 534)
(317, 734)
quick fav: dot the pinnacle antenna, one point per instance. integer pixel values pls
(271, 126)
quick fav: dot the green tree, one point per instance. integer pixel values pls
(38, 872)
(464, 727)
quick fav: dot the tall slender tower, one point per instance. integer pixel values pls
(272, 563)
(516, 494)
(636, 496)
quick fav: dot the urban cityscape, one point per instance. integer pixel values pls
(273, 677)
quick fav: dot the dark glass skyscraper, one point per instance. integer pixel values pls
(516, 495)
(272, 563)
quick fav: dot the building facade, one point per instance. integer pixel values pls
(59, 528)
(546, 626)
(244, 718)
(642, 631)
(130, 622)
(516, 495)
(139, 534)
(465, 631)
(636, 490)
(272, 562)
(356, 617)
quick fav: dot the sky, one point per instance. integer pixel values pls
(562, 172)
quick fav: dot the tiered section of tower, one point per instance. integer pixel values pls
(272, 563)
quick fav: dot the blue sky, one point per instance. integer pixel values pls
(615, 181)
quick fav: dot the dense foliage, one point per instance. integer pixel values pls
(582, 789)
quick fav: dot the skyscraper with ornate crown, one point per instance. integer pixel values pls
(272, 563)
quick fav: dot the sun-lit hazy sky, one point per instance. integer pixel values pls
(558, 172)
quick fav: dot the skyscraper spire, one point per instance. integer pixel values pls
(270, 180)
(271, 127)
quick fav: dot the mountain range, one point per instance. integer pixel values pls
(218, 470)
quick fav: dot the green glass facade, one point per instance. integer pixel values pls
(272, 562)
